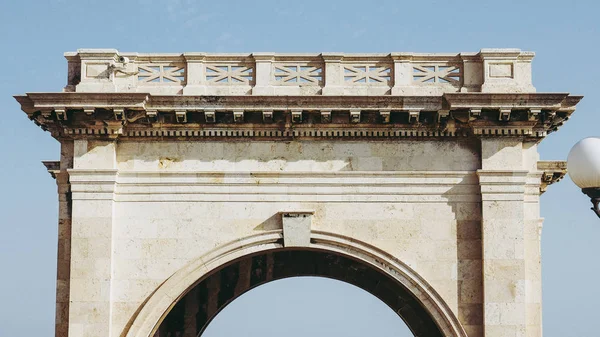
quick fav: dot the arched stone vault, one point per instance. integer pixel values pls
(208, 284)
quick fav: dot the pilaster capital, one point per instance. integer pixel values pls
(505, 185)
(96, 184)
(502, 177)
(401, 57)
(332, 57)
(263, 57)
(194, 57)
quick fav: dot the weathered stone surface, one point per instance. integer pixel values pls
(296, 228)
(179, 173)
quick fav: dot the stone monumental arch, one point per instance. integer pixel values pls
(187, 179)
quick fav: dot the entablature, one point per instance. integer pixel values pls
(110, 115)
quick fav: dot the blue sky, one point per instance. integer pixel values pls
(34, 34)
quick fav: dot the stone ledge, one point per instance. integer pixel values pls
(553, 172)
(266, 73)
(118, 115)
(53, 167)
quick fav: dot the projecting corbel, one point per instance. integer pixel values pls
(534, 114)
(296, 228)
(504, 114)
(238, 116)
(210, 116)
(296, 116)
(61, 114)
(552, 172)
(181, 116)
(46, 113)
(354, 116)
(413, 116)
(548, 117)
(119, 113)
(442, 116)
(152, 115)
(267, 116)
(325, 116)
(53, 167)
(385, 116)
(474, 113)
(89, 111)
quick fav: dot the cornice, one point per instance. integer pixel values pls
(553, 172)
(53, 167)
(125, 115)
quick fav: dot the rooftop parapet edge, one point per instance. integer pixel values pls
(398, 73)
(299, 96)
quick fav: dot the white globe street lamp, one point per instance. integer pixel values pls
(583, 166)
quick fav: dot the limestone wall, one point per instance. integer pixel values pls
(143, 210)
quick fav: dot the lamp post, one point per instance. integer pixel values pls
(583, 165)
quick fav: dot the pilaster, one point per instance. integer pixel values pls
(93, 181)
(334, 74)
(502, 180)
(533, 233)
(402, 72)
(97, 70)
(63, 272)
(264, 67)
(196, 74)
(506, 70)
(472, 72)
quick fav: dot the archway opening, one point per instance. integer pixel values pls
(193, 312)
(307, 306)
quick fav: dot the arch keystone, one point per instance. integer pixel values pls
(296, 228)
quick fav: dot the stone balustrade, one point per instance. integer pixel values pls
(406, 74)
(302, 96)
